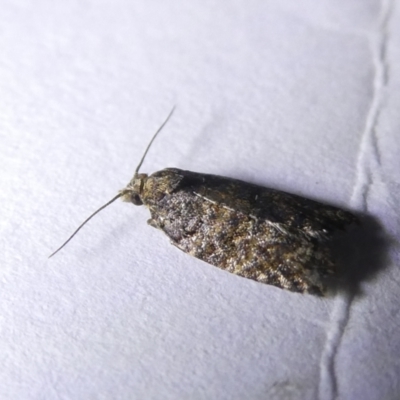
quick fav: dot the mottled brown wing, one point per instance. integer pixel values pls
(291, 211)
(235, 240)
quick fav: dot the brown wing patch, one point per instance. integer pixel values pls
(242, 244)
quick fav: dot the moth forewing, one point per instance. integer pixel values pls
(244, 228)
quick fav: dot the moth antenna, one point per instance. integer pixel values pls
(87, 220)
(152, 140)
(119, 194)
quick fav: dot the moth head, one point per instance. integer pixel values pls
(133, 191)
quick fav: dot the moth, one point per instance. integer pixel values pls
(255, 232)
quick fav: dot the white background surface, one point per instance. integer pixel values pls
(302, 96)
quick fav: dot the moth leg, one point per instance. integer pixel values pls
(152, 222)
(176, 244)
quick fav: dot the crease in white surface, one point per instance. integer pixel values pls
(337, 325)
(369, 158)
(368, 167)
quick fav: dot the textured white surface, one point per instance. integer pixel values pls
(299, 95)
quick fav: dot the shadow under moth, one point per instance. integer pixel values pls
(255, 232)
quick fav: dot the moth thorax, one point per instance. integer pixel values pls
(132, 193)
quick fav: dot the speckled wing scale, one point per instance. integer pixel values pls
(258, 233)
(263, 234)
